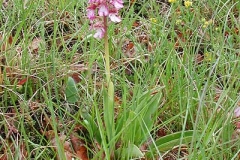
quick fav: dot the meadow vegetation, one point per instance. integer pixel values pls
(174, 66)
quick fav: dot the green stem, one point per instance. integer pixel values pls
(108, 102)
(106, 46)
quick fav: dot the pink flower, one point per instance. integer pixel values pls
(118, 4)
(91, 12)
(237, 112)
(99, 33)
(114, 17)
(99, 28)
(103, 10)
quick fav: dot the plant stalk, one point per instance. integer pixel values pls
(106, 56)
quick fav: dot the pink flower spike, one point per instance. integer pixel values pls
(237, 112)
(103, 10)
(114, 18)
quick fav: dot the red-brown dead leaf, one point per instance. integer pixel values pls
(130, 45)
(236, 31)
(68, 155)
(10, 118)
(136, 24)
(7, 42)
(128, 49)
(49, 134)
(178, 11)
(151, 47)
(76, 77)
(226, 34)
(20, 148)
(10, 40)
(65, 15)
(199, 58)
(132, 2)
(77, 68)
(117, 100)
(161, 132)
(22, 81)
(66, 145)
(82, 153)
(79, 148)
(14, 74)
(3, 157)
(23, 152)
(34, 46)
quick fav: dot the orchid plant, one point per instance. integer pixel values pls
(99, 12)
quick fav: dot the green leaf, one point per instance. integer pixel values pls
(152, 108)
(108, 110)
(169, 141)
(71, 91)
(132, 151)
(138, 120)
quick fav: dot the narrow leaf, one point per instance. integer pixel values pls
(71, 91)
(168, 142)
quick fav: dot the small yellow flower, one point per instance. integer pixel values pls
(172, 1)
(208, 56)
(210, 21)
(178, 21)
(207, 23)
(204, 26)
(203, 20)
(153, 20)
(187, 4)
